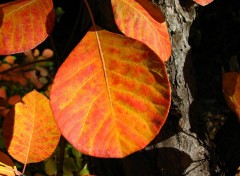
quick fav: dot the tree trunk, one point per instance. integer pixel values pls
(180, 148)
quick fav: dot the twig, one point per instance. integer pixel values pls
(24, 65)
(61, 156)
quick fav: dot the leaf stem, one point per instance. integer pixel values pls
(90, 13)
(24, 65)
(61, 156)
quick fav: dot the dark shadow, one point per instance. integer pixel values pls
(104, 16)
(195, 109)
(1, 17)
(8, 126)
(214, 40)
(157, 162)
(186, 4)
(228, 142)
(70, 28)
(153, 10)
(50, 21)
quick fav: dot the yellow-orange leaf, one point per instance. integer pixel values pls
(6, 165)
(203, 2)
(6, 170)
(24, 24)
(231, 90)
(142, 20)
(111, 96)
(29, 131)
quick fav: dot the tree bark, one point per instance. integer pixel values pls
(180, 148)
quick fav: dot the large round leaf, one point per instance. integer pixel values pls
(144, 21)
(24, 24)
(30, 131)
(111, 96)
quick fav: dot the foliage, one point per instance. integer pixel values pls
(203, 2)
(109, 98)
(231, 90)
(110, 91)
(18, 36)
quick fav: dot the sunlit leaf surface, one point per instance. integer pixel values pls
(111, 96)
(144, 21)
(24, 24)
(29, 130)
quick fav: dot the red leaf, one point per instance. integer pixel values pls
(30, 128)
(24, 24)
(14, 99)
(203, 2)
(3, 93)
(142, 20)
(111, 96)
(231, 90)
(6, 159)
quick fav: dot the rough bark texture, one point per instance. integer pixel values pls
(179, 17)
(178, 149)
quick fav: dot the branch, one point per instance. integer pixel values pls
(24, 65)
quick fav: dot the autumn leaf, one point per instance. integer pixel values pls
(24, 24)
(29, 130)
(3, 93)
(231, 90)
(203, 2)
(142, 20)
(6, 159)
(7, 167)
(6, 170)
(111, 96)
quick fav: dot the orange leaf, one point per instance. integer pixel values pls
(142, 20)
(111, 96)
(30, 131)
(203, 2)
(24, 24)
(3, 93)
(231, 90)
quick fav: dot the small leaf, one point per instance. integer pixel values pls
(69, 165)
(85, 171)
(29, 130)
(3, 93)
(47, 53)
(203, 2)
(231, 90)
(6, 165)
(24, 24)
(14, 99)
(111, 96)
(9, 59)
(142, 20)
(50, 167)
